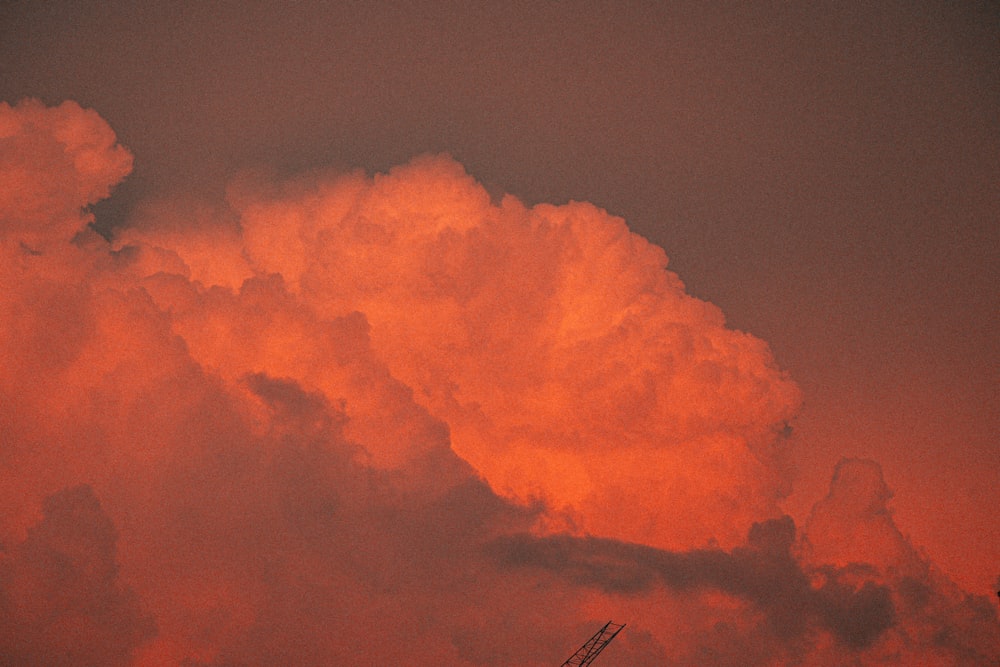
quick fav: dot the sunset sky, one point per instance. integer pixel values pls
(443, 333)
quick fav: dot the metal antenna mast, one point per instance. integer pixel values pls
(586, 654)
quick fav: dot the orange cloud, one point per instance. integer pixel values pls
(53, 162)
(567, 363)
(252, 430)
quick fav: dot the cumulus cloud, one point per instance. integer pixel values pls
(53, 162)
(853, 528)
(544, 338)
(344, 419)
(61, 599)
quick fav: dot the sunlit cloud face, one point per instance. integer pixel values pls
(242, 430)
(568, 364)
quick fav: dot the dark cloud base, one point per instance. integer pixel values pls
(764, 573)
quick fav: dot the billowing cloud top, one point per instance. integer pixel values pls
(53, 162)
(248, 432)
(568, 364)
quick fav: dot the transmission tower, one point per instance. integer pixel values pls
(586, 653)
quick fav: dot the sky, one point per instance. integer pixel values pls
(342, 332)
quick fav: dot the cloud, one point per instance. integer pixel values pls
(53, 162)
(336, 403)
(854, 524)
(544, 338)
(763, 572)
(61, 598)
(853, 528)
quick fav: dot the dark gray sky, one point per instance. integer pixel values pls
(829, 176)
